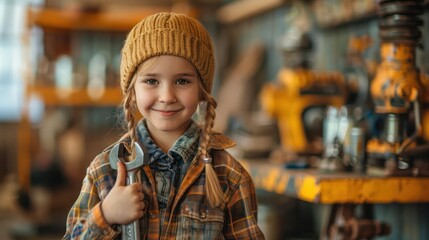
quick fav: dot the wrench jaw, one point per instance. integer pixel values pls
(115, 155)
(133, 166)
(138, 161)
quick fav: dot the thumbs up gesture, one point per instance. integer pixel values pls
(123, 204)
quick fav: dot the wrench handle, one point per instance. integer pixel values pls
(131, 176)
(131, 231)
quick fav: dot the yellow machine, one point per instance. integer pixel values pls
(299, 90)
(297, 100)
(398, 91)
(395, 87)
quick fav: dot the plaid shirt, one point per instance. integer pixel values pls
(188, 216)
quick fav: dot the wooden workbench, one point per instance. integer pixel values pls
(312, 185)
(341, 191)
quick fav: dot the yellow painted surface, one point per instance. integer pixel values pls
(314, 186)
(308, 188)
(376, 190)
(282, 184)
(365, 189)
(379, 190)
(269, 183)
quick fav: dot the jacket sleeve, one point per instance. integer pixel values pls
(241, 211)
(85, 219)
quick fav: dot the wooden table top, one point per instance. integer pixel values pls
(313, 185)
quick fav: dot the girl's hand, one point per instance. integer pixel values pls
(123, 204)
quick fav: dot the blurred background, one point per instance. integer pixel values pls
(328, 101)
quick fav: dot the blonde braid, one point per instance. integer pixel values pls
(129, 108)
(213, 188)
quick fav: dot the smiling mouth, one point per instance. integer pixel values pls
(167, 112)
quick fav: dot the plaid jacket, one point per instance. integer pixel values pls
(189, 217)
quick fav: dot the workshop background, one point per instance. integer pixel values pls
(328, 101)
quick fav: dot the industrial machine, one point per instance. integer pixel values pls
(398, 90)
(299, 97)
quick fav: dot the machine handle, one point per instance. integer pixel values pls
(418, 131)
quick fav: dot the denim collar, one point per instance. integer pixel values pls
(183, 149)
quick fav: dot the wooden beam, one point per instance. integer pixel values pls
(52, 96)
(108, 20)
(240, 10)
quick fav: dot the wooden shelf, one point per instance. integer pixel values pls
(240, 10)
(108, 20)
(52, 96)
(311, 185)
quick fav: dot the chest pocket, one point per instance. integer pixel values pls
(199, 221)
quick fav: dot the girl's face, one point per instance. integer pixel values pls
(167, 94)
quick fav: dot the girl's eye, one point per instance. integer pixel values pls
(151, 81)
(182, 81)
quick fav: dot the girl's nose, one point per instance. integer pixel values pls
(167, 95)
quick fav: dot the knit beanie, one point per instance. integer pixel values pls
(168, 34)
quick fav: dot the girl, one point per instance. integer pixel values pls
(191, 188)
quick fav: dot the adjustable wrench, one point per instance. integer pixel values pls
(130, 231)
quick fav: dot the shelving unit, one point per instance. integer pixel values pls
(102, 20)
(52, 96)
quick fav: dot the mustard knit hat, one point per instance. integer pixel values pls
(168, 34)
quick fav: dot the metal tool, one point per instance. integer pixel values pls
(130, 231)
(344, 223)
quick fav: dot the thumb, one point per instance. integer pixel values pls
(122, 175)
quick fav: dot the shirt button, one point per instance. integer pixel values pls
(186, 210)
(151, 215)
(203, 215)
